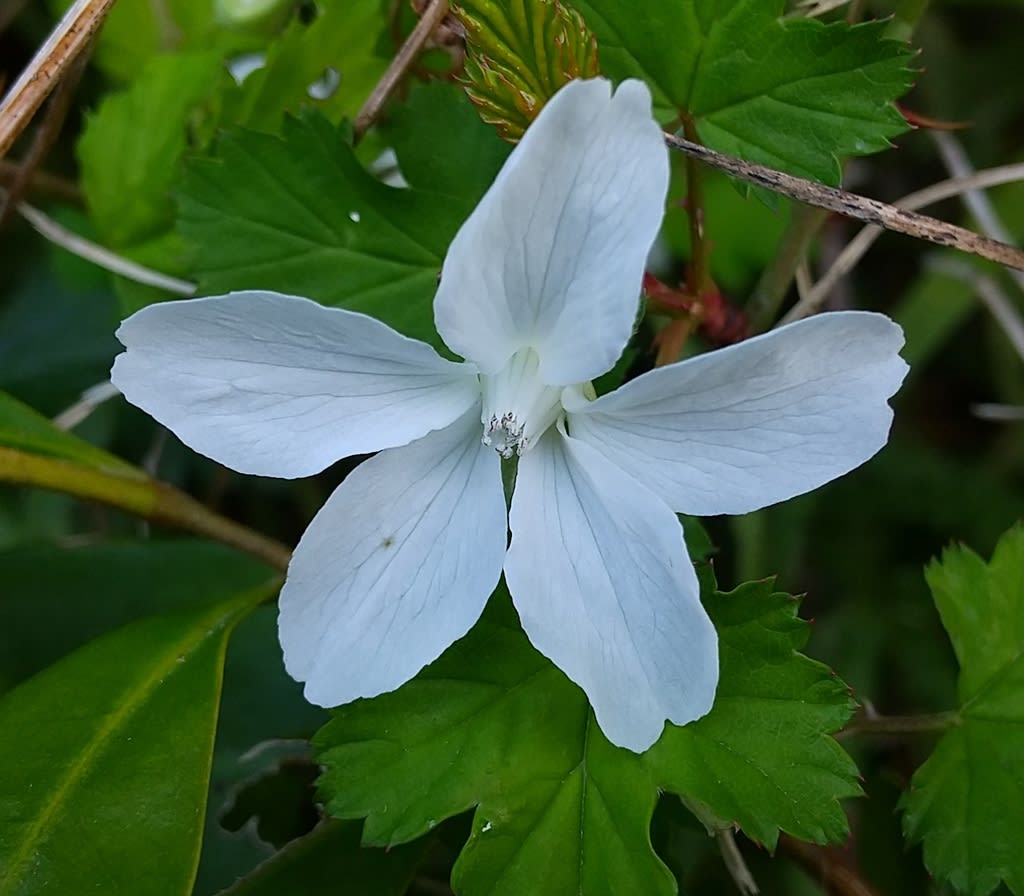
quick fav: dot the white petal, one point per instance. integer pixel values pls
(397, 565)
(553, 256)
(599, 574)
(758, 422)
(276, 385)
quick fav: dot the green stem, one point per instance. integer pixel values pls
(936, 723)
(141, 495)
(771, 289)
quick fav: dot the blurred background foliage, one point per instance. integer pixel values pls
(71, 571)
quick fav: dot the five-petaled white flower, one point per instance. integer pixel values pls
(539, 293)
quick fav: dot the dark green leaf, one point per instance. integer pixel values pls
(300, 215)
(966, 803)
(25, 430)
(793, 94)
(558, 808)
(462, 156)
(329, 855)
(113, 753)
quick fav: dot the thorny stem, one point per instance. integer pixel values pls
(399, 66)
(131, 490)
(935, 723)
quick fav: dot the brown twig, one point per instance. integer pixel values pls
(824, 866)
(399, 66)
(44, 137)
(853, 206)
(41, 182)
(67, 40)
(855, 249)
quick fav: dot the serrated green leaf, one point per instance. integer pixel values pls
(26, 430)
(494, 725)
(131, 146)
(113, 751)
(794, 94)
(519, 53)
(300, 215)
(966, 803)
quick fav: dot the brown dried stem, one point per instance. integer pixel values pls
(399, 67)
(851, 205)
(68, 39)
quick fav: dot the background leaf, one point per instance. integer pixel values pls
(558, 808)
(104, 789)
(966, 803)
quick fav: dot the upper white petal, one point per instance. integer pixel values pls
(553, 256)
(600, 576)
(758, 422)
(278, 385)
(397, 565)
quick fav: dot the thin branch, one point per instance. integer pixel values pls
(399, 66)
(98, 255)
(41, 182)
(735, 864)
(824, 867)
(993, 298)
(67, 40)
(976, 200)
(998, 413)
(855, 249)
(890, 217)
(43, 139)
(865, 723)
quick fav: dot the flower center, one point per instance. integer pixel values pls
(517, 406)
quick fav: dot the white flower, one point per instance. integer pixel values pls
(539, 293)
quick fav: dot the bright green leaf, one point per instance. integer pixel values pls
(558, 808)
(131, 146)
(331, 854)
(794, 94)
(300, 215)
(113, 753)
(966, 803)
(23, 429)
(342, 38)
(519, 53)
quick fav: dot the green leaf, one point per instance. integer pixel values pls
(23, 429)
(131, 146)
(462, 156)
(966, 803)
(332, 853)
(343, 38)
(519, 54)
(791, 93)
(558, 808)
(300, 215)
(113, 749)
